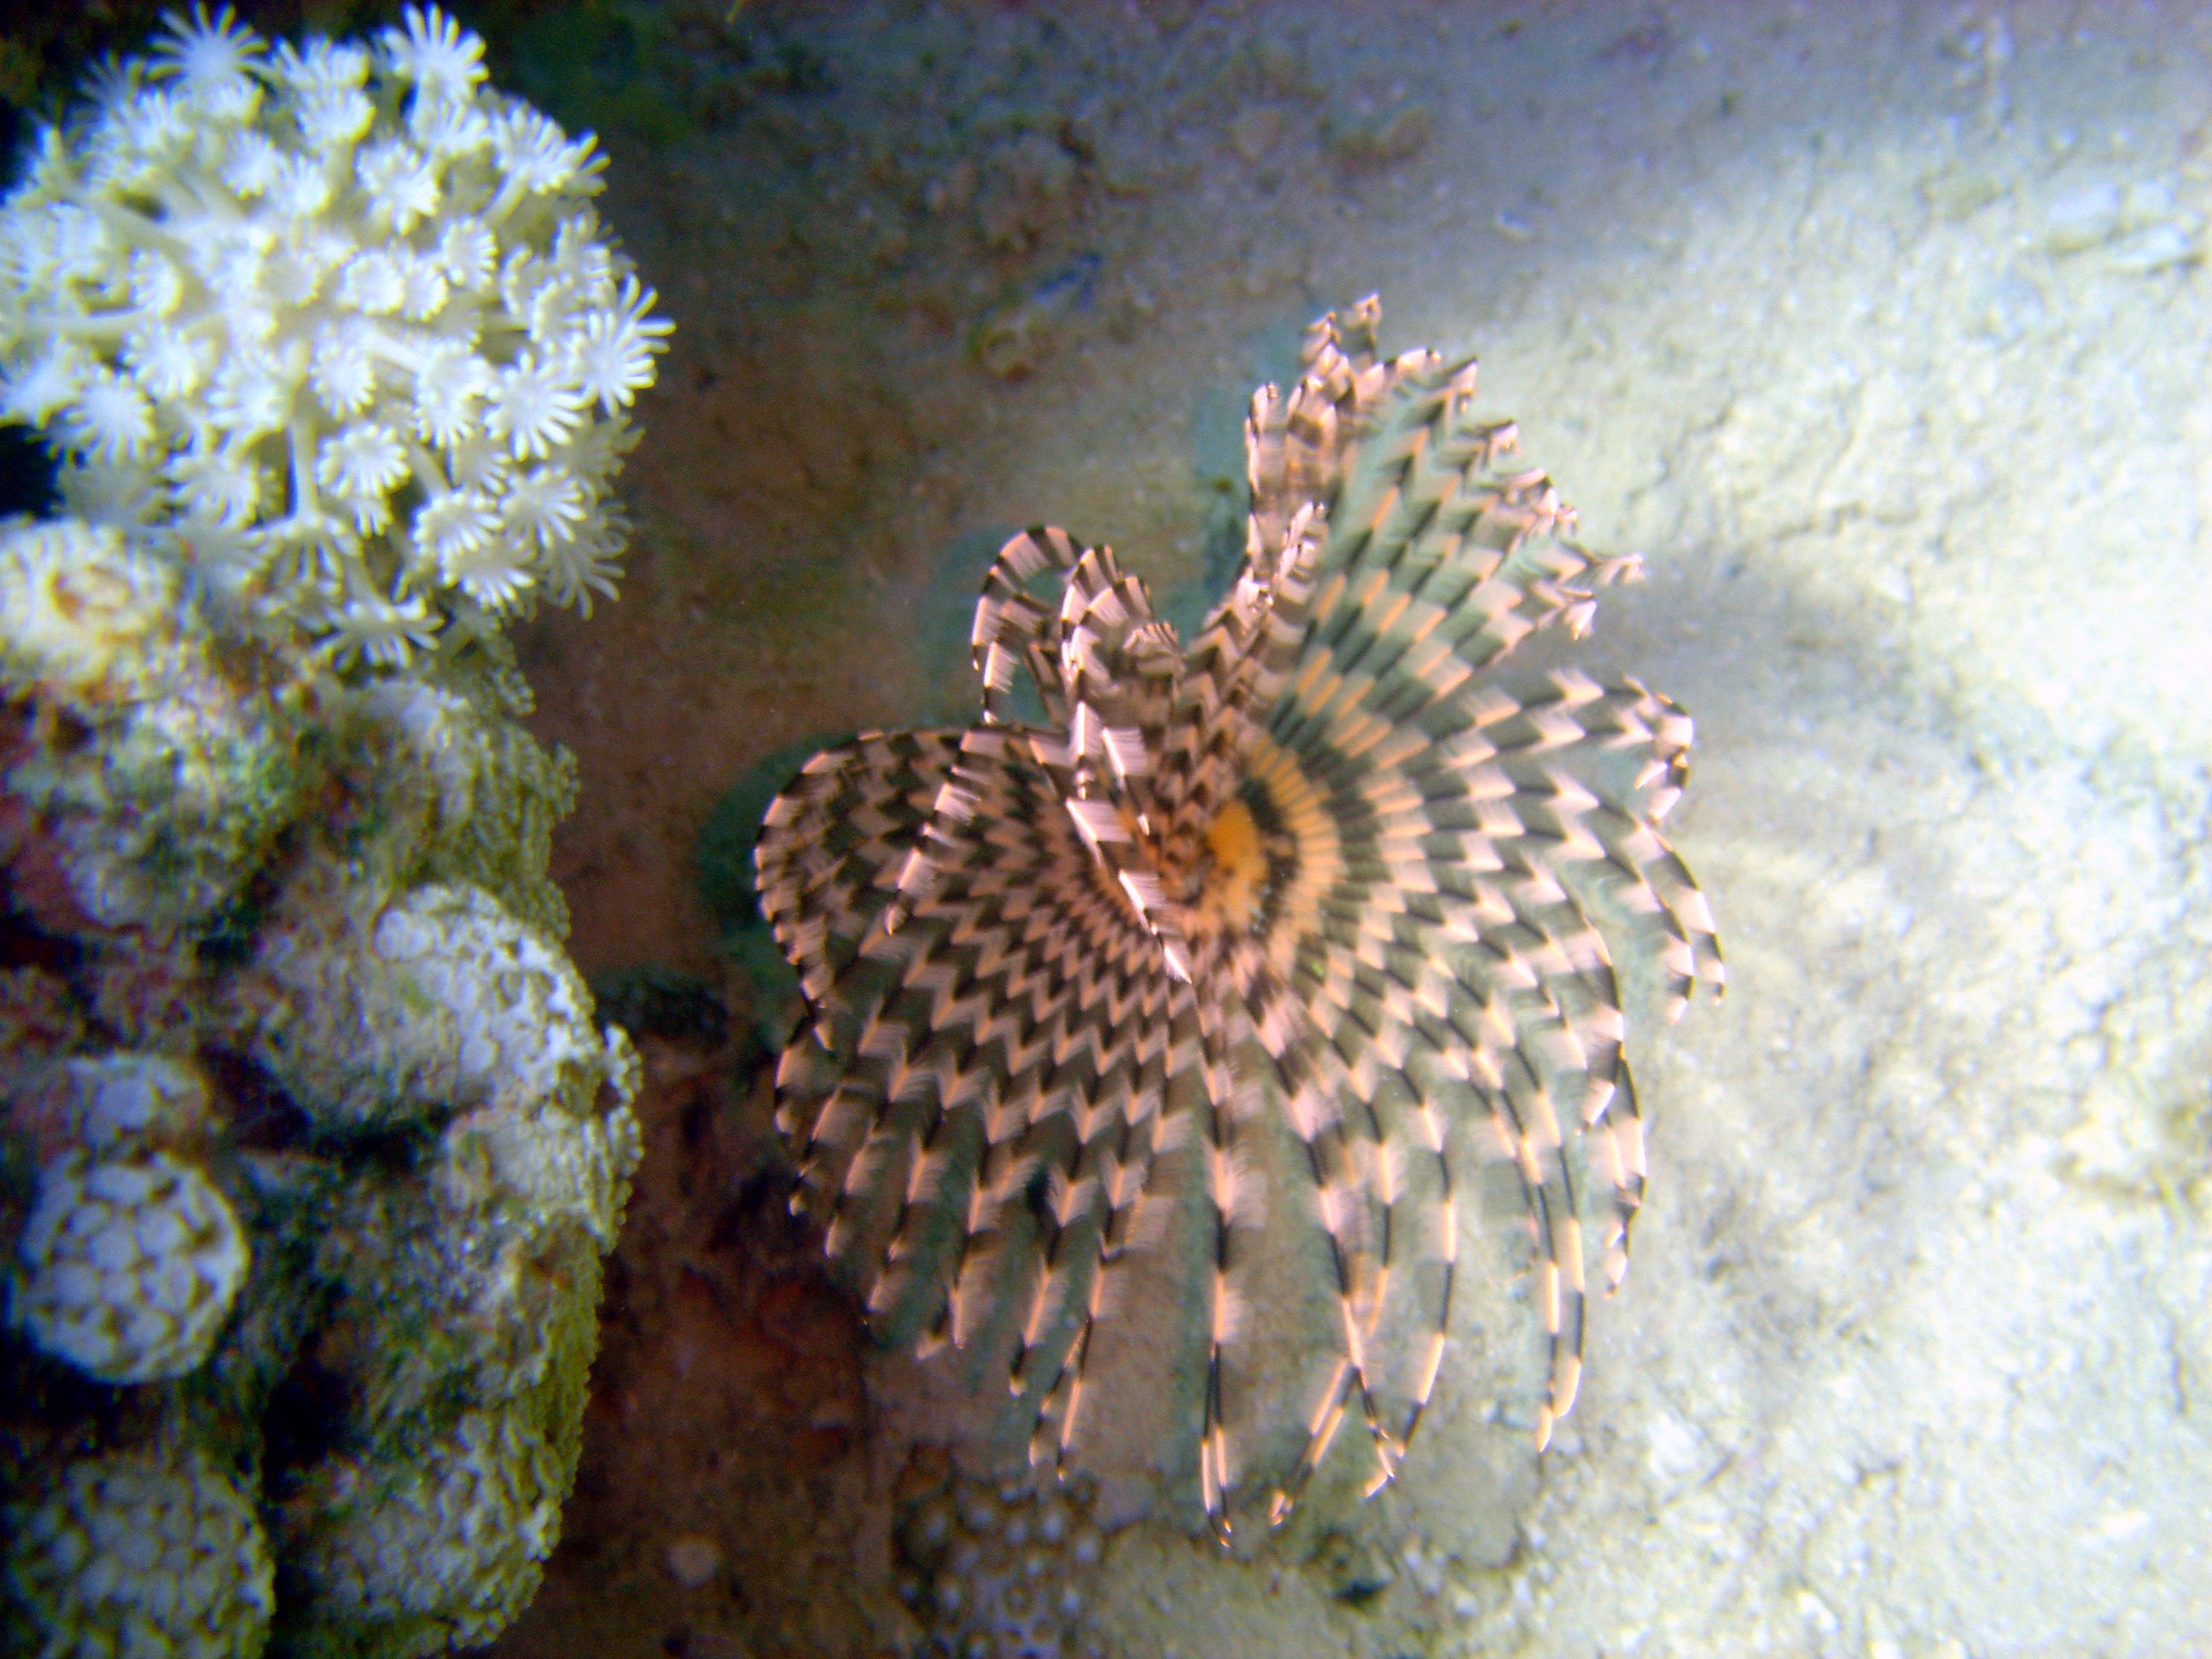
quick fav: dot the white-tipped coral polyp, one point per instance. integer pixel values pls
(325, 309)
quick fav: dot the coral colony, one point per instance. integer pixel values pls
(341, 320)
(310, 1143)
(1224, 960)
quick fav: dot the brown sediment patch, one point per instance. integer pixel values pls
(762, 548)
(725, 1414)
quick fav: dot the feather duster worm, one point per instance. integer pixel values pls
(1235, 957)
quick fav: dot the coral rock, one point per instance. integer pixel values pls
(312, 1139)
(440, 1550)
(442, 998)
(158, 783)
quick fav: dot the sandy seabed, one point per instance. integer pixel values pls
(1881, 332)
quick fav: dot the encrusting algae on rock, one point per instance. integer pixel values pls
(311, 1141)
(1156, 1033)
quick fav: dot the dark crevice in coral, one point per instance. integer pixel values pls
(228, 941)
(26, 466)
(263, 1117)
(310, 1406)
(47, 1396)
(24, 944)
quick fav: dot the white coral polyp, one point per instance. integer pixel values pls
(112, 420)
(320, 289)
(534, 406)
